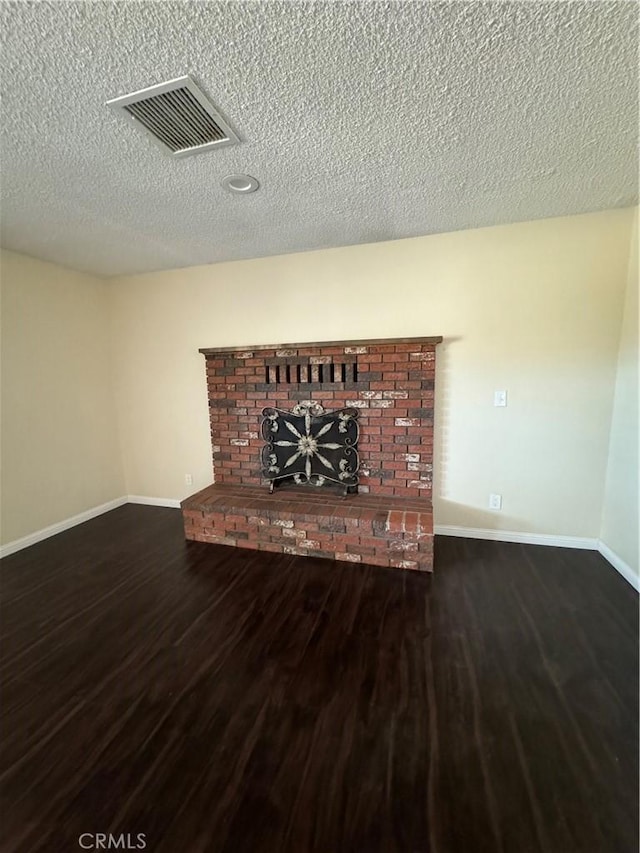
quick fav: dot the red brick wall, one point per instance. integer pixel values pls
(393, 389)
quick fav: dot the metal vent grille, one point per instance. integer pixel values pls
(178, 116)
(301, 373)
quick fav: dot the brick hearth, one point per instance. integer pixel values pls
(358, 528)
(391, 383)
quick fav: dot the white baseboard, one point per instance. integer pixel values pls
(545, 539)
(141, 499)
(59, 527)
(513, 536)
(619, 565)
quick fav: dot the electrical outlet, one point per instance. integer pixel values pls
(188, 479)
(499, 398)
(495, 501)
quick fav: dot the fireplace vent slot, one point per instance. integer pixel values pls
(326, 373)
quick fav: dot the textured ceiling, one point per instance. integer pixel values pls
(363, 121)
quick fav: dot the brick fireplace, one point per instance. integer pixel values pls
(389, 520)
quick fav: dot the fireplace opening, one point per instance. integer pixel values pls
(309, 446)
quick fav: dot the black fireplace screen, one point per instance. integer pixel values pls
(310, 445)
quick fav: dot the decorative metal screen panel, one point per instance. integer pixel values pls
(311, 445)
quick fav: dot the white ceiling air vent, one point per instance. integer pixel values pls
(178, 116)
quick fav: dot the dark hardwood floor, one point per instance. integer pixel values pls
(225, 700)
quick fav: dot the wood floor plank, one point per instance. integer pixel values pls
(218, 699)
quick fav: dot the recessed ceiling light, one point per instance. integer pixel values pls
(240, 184)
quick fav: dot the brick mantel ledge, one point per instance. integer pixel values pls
(308, 344)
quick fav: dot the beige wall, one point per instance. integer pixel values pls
(534, 308)
(620, 513)
(60, 456)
